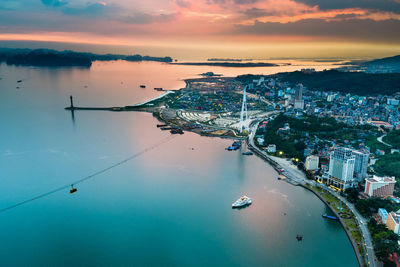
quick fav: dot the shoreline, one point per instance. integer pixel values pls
(291, 178)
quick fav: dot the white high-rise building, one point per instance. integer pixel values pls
(312, 163)
(298, 98)
(361, 164)
(341, 168)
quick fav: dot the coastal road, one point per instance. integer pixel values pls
(294, 174)
(365, 232)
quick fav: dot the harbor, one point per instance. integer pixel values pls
(195, 173)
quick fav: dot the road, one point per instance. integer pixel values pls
(296, 175)
(372, 261)
(380, 140)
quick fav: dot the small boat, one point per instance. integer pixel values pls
(232, 148)
(73, 189)
(248, 153)
(158, 89)
(279, 178)
(330, 217)
(176, 131)
(242, 201)
(166, 128)
(19, 81)
(142, 86)
(299, 237)
(237, 144)
(161, 125)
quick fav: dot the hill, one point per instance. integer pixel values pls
(53, 58)
(359, 83)
(48, 58)
(383, 65)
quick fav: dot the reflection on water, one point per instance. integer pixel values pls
(171, 206)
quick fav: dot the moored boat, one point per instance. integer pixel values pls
(330, 217)
(241, 202)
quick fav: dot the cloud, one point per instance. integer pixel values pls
(382, 5)
(146, 18)
(54, 3)
(90, 9)
(349, 29)
(183, 3)
(237, 2)
(256, 12)
(245, 2)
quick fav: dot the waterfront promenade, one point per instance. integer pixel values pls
(296, 177)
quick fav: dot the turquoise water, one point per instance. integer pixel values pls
(168, 207)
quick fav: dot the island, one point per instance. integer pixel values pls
(229, 64)
(54, 58)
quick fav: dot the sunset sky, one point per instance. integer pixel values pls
(240, 28)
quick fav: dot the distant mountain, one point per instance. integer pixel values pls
(384, 61)
(53, 58)
(359, 83)
(382, 65)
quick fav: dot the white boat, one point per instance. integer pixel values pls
(242, 201)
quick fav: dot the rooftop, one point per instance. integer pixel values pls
(376, 179)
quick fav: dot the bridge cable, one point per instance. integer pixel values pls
(148, 149)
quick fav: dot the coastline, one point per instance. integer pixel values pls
(291, 177)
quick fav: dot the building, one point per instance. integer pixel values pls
(271, 148)
(298, 97)
(298, 93)
(393, 101)
(260, 141)
(381, 124)
(380, 152)
(361, 164)
(330, 98)
(341, 168)
(392, 222)
(379, 186)
(312, 163)
(383, 214)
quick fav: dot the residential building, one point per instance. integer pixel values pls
(312, 163)
(393, 221)
(361, 164)
(379, 186)
(383, 214)
(271, 148)
(341, 168)
(260, 141)
(393, 102)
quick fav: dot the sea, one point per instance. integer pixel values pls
(154, 200)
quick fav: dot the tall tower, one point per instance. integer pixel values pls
(298, 92)
(341, 168)
(298, 97)
(243, 114)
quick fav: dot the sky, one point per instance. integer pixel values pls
(236, 28)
